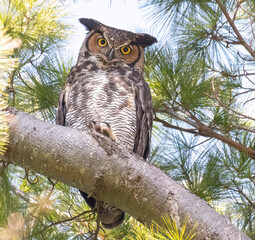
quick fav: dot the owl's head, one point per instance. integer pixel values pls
(113, 46)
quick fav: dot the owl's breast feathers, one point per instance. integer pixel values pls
(118, 96)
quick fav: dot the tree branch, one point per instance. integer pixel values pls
(59, 223)
(227, 107)
(98, 166)
(239, 36)
(207, 131)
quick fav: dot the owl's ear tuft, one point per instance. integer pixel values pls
(145, 40)
(90, 24)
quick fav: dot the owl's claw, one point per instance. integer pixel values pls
(104, 128)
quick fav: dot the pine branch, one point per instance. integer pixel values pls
(57, 223)
(98, 166)
(238, 34)
(21, 194)
(208, 131)
(227, 107)
(168, 125)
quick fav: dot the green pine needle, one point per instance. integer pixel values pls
(6, 64)
(170, 231)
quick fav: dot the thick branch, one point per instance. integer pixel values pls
(97, 165)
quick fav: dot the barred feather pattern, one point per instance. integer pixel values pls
(118, 96)
(103, 99)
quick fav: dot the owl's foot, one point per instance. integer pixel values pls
(110, 216)
(104, 128)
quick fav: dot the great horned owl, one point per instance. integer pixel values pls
(106, 90)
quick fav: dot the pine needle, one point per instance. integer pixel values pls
(6, 65)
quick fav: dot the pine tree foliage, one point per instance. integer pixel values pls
(202, 82)
(6, 64)
(40, 25)
(170, 231)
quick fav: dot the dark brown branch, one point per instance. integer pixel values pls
(175, 115)
(227, 107)
(98, 166)
(58, 223)
(206, 131)
(239, 36)
(168, 125)
(244, 128)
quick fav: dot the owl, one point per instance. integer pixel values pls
(105, 90)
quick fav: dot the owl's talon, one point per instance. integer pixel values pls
(97, 126)
(104, 128)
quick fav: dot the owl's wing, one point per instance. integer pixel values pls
(144, 114)
(62, 107)
(61, 111)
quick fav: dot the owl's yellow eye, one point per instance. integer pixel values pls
(126, 50)
(102, 42)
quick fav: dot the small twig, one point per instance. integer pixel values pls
(57, 223)
(98, 205)
(252, 30)
(20, 194)
(196, 145)
(240, 191)
(241, 93)
(69, 210)
(24, 82)
(245, 59)
(177, 116)
(38, 219)
(51, 182)
(206, 131)
(27, 178)
(166, 124)
(231, 75)
(227, 107)
(237, 8)
(52, 188)
(220, 38)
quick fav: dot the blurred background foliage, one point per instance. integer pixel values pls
(201, 74)
(7, 44)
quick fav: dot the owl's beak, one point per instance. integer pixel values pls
(110, 55)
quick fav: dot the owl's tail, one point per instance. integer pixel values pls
(109, 215)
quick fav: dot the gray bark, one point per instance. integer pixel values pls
(97, 165)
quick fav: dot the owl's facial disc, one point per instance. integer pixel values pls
(109, 51)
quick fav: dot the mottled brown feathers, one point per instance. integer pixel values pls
(106, 88)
